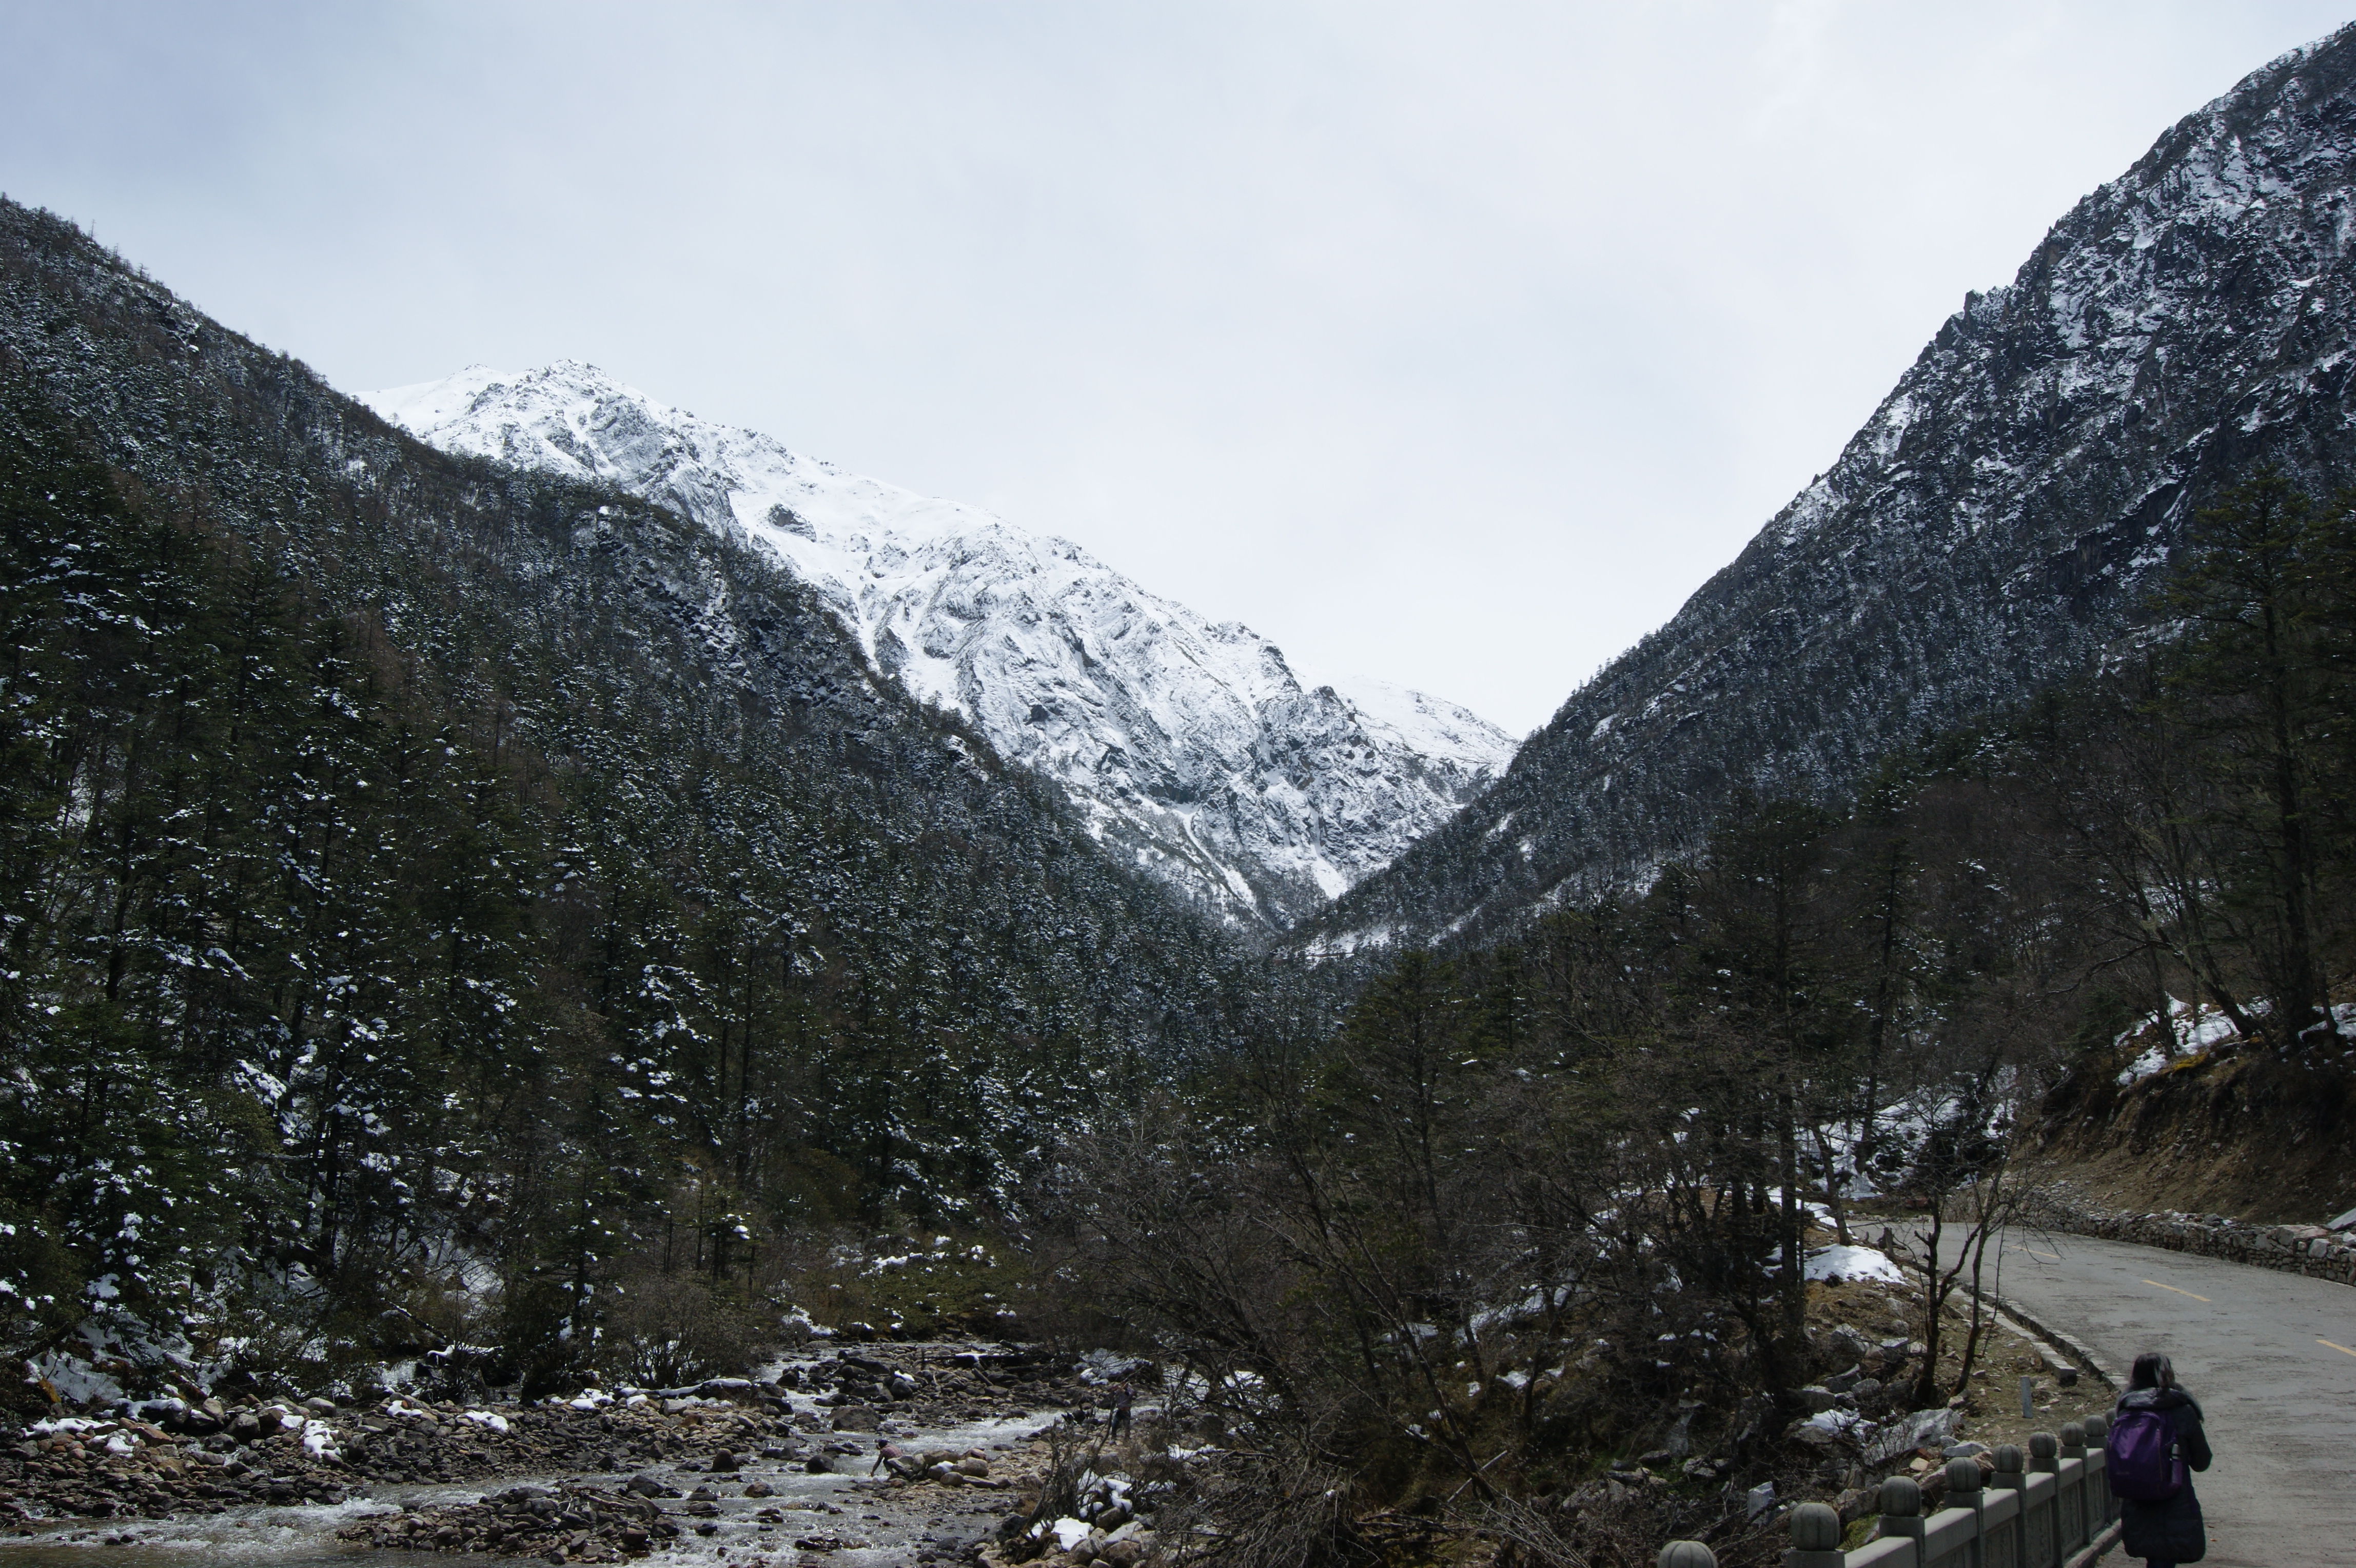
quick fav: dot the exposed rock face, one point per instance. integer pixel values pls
(1997, 522)
(1187, 744)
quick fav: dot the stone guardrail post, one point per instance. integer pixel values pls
(2071, 1494)
(1815, 1538)
(2011, 1477)
(2104, 1508)
(1950, 1537)
(1901, 1515)
(2039, 1513)
(1965, 1495)
(1687, 1554)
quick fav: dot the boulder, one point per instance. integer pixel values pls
(1932, 1429)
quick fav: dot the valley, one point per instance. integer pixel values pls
(577, 983)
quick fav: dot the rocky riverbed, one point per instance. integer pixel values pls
(874, 1454)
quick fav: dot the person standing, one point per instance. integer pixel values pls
(2156, 1440)
(1123, 1396)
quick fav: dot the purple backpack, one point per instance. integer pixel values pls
(2139, 1454)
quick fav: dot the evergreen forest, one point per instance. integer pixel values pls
(443, 906)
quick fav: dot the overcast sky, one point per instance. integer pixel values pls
(1453, 343)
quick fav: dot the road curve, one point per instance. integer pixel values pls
(2270, 1356)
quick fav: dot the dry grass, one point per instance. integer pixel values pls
(2224, 1132)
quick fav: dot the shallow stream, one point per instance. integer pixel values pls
(881, 1526)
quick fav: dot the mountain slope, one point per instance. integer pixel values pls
(411, 859)
(1991, 528)
(1186, 746)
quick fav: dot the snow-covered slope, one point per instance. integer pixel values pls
(1188, 744)
(1994, 526)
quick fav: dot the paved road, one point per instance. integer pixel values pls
(2270, 1357)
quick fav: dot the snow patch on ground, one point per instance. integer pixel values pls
(2185, 1030)
(1851, 1263)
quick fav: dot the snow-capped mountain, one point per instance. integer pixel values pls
(1994, 524)
(1188, 744)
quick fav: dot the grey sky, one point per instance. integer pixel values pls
(1453, 343)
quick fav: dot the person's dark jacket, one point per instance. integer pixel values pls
(2169, 1532)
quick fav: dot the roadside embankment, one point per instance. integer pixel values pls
(2318, 1251)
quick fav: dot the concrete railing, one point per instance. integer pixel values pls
(2050, 1508)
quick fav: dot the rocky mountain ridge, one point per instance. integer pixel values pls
(1186, 744)
(1993, 526)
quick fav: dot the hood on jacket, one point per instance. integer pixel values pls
(2171, 1398)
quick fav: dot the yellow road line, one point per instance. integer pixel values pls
(2341, 1348)
(2049, 1256)
(2192, 1294)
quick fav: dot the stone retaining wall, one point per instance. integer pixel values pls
(2308, 1250)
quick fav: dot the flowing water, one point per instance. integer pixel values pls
(896, 1524)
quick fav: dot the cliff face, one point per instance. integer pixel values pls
(1994, 524)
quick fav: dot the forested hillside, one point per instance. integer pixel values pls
(431, 885)
(445, 905)
(1995, 524)
(1561, 1201)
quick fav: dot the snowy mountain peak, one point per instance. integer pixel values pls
(1188, 744)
